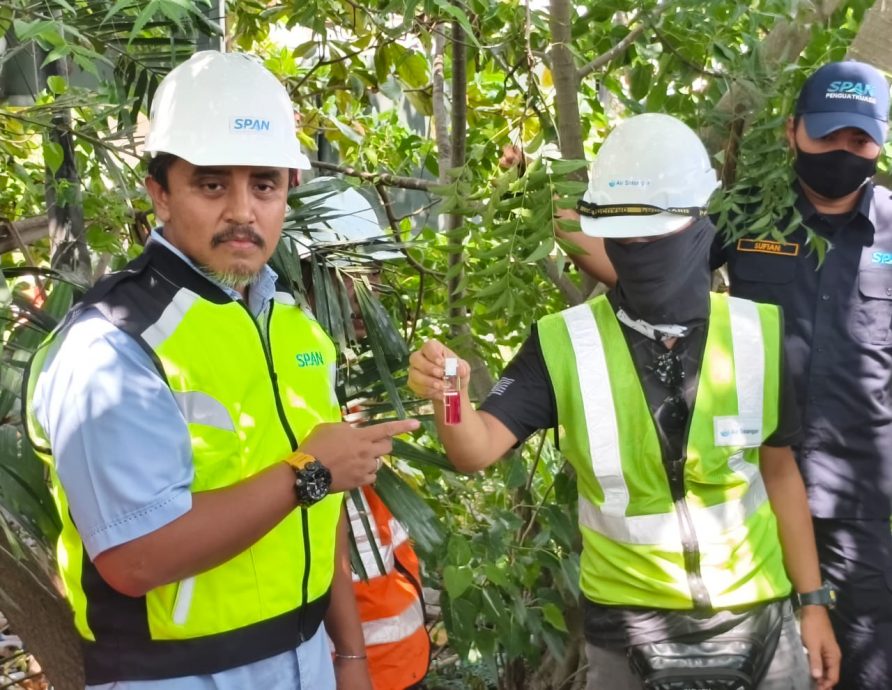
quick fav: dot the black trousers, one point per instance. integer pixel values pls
(856, 558)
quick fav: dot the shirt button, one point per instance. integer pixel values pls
(889, 291)
(825, 297)
(820, 349)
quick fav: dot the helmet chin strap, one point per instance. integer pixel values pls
(591, 210)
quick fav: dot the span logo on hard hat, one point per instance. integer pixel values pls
(250, 125)
(851, 90)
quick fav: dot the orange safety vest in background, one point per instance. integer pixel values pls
(390, 602)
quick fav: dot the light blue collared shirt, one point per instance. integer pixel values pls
(123, 455)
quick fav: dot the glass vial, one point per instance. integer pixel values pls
(451, 395)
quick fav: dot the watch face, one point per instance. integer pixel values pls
(313, 483)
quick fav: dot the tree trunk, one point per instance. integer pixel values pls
(63, 195)
(566, 81)
(41, 617)
(872, 44)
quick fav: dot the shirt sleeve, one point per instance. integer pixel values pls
(120, 443)
(523, 399)
(717, 252)
(789, 422)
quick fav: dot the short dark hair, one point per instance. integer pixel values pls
(158, 167)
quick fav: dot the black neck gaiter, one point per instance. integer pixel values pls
(833, 174)
(666, 280)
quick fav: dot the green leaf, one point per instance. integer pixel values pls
(57, 84)
(540, 252)
(564, 167)
(457, 579)
(53, 156)
(554, 616)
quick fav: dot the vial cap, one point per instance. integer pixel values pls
(451, 366)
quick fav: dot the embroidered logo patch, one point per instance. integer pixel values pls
(309, 359)
(768, 247)
(738, 431)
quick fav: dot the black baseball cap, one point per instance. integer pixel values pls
(845, 94)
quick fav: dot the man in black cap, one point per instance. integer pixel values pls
(838, 323)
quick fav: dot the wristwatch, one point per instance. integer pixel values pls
(312, 480)
(825, 596)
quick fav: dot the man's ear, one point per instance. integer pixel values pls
(790, 131)
(159, 199)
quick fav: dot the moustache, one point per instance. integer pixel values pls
(243, 233)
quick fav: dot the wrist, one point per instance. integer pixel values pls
(824, 597)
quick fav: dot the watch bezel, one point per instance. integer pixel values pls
(312, 483)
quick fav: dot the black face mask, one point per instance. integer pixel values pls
(834, 174)
(667, 280)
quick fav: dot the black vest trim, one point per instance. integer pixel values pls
(122, 659)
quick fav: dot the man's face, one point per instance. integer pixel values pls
(226, 219)
(849, 139)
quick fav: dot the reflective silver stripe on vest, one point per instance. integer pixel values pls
(749, 357)
(600, 415)
(365, 542)
(661, 529)
(394, 628)
(170, 318)
(200, 408)
(598, 409)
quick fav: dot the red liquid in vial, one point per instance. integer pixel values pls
(452, 403)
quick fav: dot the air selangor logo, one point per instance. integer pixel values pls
(629, 182)
(250, 125)
(851, 90)
(882, 258)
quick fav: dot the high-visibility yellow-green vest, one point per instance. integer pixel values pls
(715, 543)
(250, 393)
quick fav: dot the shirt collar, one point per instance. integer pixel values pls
(807, 209)
(261, 292)
(863, 210)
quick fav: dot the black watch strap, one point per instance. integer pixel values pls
(825, 596)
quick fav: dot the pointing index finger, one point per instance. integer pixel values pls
(392, 428)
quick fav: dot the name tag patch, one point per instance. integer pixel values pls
(768, 247)
(745, 432)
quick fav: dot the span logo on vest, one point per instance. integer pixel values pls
(309, 359)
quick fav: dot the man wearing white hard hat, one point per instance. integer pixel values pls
(389, 594)
(670, 405)
(187, 413)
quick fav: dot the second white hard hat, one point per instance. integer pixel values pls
(651, 175)
(348, 221)
(224, 109)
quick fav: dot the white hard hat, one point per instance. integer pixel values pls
(224, 109)
(348, 221)
(651, 175)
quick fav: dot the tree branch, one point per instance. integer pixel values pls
(608, 55)
(394, 223)
(567, 287)
(374, 178)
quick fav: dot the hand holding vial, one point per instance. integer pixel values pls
(436, 373)
(451, 391)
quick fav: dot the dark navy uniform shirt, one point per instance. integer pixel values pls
(838, 324)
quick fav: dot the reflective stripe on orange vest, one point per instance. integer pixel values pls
(389, 602)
